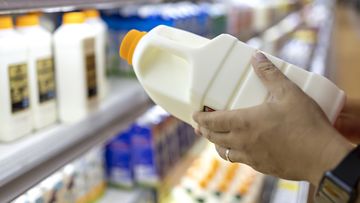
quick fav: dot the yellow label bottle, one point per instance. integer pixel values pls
(15, 111)
(41, 70)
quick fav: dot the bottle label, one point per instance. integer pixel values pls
(19, 87)
(90, 67)
(46, 79)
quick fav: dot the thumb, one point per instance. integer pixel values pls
(269, 74)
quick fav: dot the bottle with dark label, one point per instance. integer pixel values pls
(15, 112)
(76, 75)
(41, 70)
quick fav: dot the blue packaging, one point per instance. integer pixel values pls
(119, 23)
(119, 160)
(145, 170)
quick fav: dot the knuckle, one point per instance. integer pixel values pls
(266, 67)
(243, 123)
(210, 136)
(206, 133)
(268, 71)
(209, 122)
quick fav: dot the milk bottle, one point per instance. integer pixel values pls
(15, 110)
(100, 29)
(75, 60)
(184, 73)
(41, 70)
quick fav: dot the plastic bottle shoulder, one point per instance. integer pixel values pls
(73, 32)
(11, 42)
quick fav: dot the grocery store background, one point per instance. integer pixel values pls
(122, 148)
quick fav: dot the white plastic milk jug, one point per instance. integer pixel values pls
(41, 70)
(75, 62)
(15, 107)
(184, 73)
(100, 30)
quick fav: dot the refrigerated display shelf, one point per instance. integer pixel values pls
(31, 159)
(266, 39)
(113, 195)
(321, 55)
(21, 6)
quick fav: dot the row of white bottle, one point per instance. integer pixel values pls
(29, 91)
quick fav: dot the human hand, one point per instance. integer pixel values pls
(348, 122)
(287, 136)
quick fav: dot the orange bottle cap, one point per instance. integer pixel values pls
(27, 20)
(243, 189)
(223, 186)
(91, 13)
(129, 43)
(204, 183)
(74, 18)
(37, 13)
(5, 22)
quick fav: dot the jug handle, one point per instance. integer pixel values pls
(174, 47)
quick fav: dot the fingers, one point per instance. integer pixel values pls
(349, 126)
(197, 132)
(218, 138)
(222, 152)
(217, 121)
(269, 74)
(234, 155)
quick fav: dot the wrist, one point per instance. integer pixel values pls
(335, 149)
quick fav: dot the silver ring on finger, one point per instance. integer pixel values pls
(227, 155)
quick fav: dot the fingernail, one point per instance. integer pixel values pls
(260, 57)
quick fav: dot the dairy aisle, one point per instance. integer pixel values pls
(76, 125)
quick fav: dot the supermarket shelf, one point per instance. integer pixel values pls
(125, 196)
(31, 159)
(276, 31)
(21, 6)
(290, 18)
(319, 62)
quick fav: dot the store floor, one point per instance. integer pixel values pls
(347, 54)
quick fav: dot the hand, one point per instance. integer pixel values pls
(348, 123)
(287, 136)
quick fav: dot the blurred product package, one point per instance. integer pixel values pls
(41, 70)
(211, 179)
(304, 40)
(15, 113)
(76, 68)
(247, 18)
(118, 160)
(184, 15)
(80, 181)
(148, 149)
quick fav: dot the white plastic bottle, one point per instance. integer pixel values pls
(75, 62)
(100, 31)
(15, 112)
(184, 73)
(41, 70)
